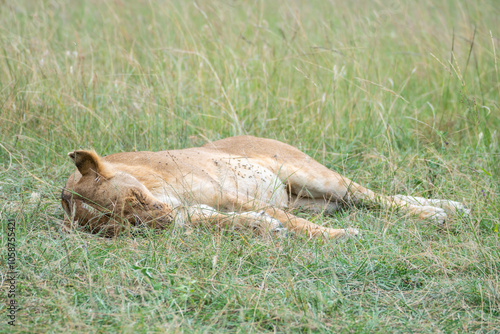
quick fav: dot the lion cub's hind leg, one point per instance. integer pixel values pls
(318, 182)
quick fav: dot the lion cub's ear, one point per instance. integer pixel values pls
(88, 162)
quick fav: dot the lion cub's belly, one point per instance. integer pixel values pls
(223, 182)
(249, 180)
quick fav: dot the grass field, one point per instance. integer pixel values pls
(401, 96)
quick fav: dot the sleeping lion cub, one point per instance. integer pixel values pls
(237, 182)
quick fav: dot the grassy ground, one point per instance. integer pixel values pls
(400, 96)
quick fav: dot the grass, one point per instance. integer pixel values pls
(402, 97)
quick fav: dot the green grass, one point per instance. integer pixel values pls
(402, 97)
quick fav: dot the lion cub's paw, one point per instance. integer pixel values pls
(343, 233)
(280, 232)
(449, 206)
(352, 232)
(436, 215)
(452, 206)
(268, 224)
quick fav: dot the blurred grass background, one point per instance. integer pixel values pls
(402, 96)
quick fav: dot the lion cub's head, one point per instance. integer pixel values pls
(107, 200)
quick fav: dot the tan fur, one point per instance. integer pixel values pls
(244, 182)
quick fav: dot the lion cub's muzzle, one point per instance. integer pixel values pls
(116, 217)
